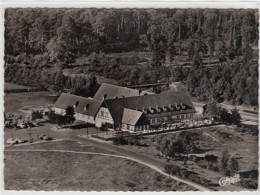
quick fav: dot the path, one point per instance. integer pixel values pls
(244, 115)
(197, 186)
(154, 163)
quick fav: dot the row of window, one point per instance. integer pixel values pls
(82, 116)
(163, 119)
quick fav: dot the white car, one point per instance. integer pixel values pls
(19, 140)
(21, 125)
(11, 141)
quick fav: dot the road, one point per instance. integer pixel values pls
(246, 116)
(146, 160)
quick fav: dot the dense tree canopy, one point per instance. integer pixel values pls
(41, 44)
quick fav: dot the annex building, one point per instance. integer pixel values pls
(128, 109)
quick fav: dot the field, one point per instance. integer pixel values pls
(48, 170)
(242, 146)
(12, 86)
(14, 101)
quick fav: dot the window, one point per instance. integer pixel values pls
(191, 115)
(182, 116)
(178, 117)
(102, 113)
(128, 127)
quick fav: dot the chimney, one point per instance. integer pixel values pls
(144, 110)
(140, 91)
(86, 107)
(76, 104)
(104, 97)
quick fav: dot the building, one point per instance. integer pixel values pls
(128, 109)
(139, 112)
(109, 91)
(85, 108)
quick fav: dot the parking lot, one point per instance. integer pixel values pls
(48, 130)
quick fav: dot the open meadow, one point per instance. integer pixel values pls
(49, 170)
(13, 102)
(210, 141)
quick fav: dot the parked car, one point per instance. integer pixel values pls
(36, 124)
(44, 137)
(11, 141)
(21, 126)
(19, 140)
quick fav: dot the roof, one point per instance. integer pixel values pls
(66, 100)
(113, 91)
(131, 117)
(171, 97)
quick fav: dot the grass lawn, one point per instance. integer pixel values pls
(13, 86)
(242, 146)
(69, 171)
(14, 101)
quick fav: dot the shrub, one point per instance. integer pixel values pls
(37, 115)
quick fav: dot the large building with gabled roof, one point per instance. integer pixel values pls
(85, 108)
(128, 109)
(109, 91)
(151, 110)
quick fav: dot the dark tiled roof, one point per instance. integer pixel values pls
(167, 99)
(66, 100)
(131, 117)
(114, 91)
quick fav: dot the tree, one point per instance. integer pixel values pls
(37, 115)
(211, 47)
(70, 115)
(168, 169)
(247, 53)
(52, 117)
(238, 44)
(235, 117)
(224, 162)
(233, 165)
(225, 116)
(231, 50)
(211, 109)
(221, 52)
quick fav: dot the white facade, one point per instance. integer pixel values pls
(103, 116)
(128, 127)
(78, 116)
(176, 117)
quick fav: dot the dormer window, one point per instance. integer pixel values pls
(158, 109)
(177, 106)
(76, 104)
(171, 107)
(86, 107)
(151, 109)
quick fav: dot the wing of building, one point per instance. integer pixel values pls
(128, 109)
(157, 108)
(109, 91)
(85, 108)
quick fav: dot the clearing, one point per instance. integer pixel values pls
(48, 170)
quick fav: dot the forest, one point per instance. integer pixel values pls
(214, 52)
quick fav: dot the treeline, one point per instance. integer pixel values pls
(219, 46)
(66, 34)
